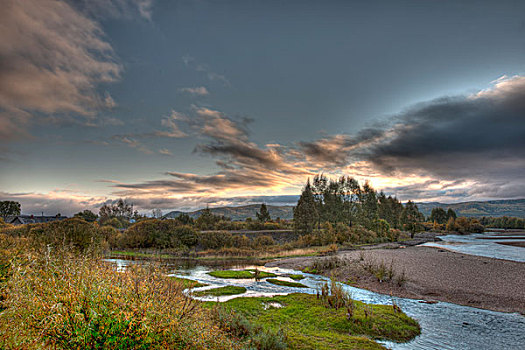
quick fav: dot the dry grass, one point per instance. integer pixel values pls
(72, 302)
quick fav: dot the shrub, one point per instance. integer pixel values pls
(215, 240)
(72, 233)
(67, 301)
(160, 234)
(262, 241)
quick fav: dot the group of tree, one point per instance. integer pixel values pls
(345, 201)
(503, 222)
(440, 216)
(464, 225)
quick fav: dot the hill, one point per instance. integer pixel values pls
(241, 213)
(515, 207)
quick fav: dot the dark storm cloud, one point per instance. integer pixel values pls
(474, 136)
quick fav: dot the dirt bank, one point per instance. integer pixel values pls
(431, 274)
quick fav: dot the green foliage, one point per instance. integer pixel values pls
(465, 225)
(231, 274)
(305, 214)
(153, 233)
(115, 222)
(255, 337)
(237, 274)
(411, 218)
(208, 221)
(309, 324)
(285, 283)
(503, 222)
(71, 233)
(263, 215)
(87, 215)
(343, 211)
(120, 210)
(227, 290)
(187, 283)
(296, 277)
(439, 215)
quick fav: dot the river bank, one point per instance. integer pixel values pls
(430, 274)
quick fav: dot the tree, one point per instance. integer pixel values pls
(451, 214)
(9, 208)
(156, 213)
(439, 215)
(451, 225)
(263, 215)
(207, 220)
(305, 214)
(120, 210)
(87, 215)
(411, 218)
(369, 207)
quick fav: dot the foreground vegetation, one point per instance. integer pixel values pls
(304, 321)
(74, 301)
(56, 293)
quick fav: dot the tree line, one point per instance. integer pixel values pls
(345, 201)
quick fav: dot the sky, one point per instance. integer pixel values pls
(182, 104)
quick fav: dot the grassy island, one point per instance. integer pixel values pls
(215, 292)
(286, 283)
(309, 324)
(239, 274)
(187, 283)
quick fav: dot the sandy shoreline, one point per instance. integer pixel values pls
(434, 274)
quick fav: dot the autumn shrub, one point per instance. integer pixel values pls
(215, 240)
(263, 241)
(65, 301)
(73, 233)
(160, 234)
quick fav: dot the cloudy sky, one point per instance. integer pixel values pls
(176, 104)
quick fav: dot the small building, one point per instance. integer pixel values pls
(33, 219)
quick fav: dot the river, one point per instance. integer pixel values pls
(486, 244)
(444, 325)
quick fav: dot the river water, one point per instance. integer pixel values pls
(444, 325)
(484, 244)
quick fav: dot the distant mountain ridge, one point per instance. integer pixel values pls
(242, 212)
(514, 207)
(505, 207)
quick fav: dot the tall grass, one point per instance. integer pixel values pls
(67, 301)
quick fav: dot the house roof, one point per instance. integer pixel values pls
(32, 219)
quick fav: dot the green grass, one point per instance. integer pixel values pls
(262, 274)
(296, 277)
(239, 274)
(308, 324)
(286, 283)
(187, 283)
(231, 274)
(228, 290)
